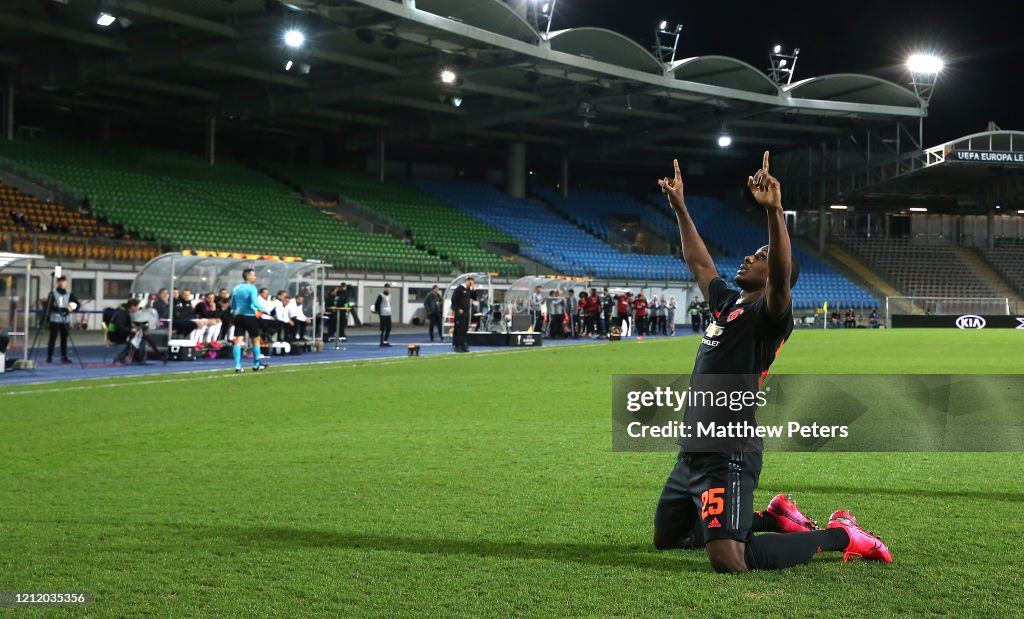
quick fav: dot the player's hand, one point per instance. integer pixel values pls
(765, 188)
(673, 188)
(259, 314)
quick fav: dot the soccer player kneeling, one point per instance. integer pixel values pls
(749, 327)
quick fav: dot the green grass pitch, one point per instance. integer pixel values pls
(471, 485)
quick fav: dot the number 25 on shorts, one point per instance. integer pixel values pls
(711, 502)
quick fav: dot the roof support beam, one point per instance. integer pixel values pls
(175, 17)
(23, 22)
(169, 88)
(247, 72)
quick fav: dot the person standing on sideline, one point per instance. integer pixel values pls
(462, 303)
(640, 308)
(694, 310)
(536, 303)
(432, 305)
(382, 307)
(672, 307)
(245, 304)
(59, 306)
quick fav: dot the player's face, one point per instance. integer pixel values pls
(250, 277)
(753, 273)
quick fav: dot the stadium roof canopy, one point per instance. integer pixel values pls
(370, 70)
(972, 174)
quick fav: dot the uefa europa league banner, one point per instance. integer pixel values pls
(798, 412)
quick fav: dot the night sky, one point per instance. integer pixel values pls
(980, 41)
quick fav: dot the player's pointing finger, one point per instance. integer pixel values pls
(764, 163)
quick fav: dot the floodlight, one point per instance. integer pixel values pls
(724, 140)
(783, 65)
(663, 25)
(448, 76)
(288, 65)
(839, 207)
(544, 9)
(924, 63)
(918, 209)
(456, 101)
(105, 19)
(294, 38)
(1020, 211)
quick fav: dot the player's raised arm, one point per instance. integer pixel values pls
(768, 193)
(694, 251)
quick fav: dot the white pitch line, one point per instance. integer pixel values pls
(189, 375)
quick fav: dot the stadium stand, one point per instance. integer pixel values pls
(1007, 260)
(39, 216)
(736, 237)
(549, 239)
(177, 199)
(590, 209)
(432, 225)
(918, 269)
(30, 225)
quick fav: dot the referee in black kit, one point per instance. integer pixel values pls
(462, 307)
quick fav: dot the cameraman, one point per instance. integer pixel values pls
(124, 330)
(59, 306)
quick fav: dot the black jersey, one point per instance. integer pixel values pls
(735, 353)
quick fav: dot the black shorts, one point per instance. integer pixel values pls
(247, 325)
(709, 496)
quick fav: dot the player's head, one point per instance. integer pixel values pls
(249, 276)
(62, 281)
(753, 273)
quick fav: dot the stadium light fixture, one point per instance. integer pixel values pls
(105, 19)
(924, 63)
(918, 209)
(288, 65)
(294, 38)
(540, 13)
(783, 65)
(924, 70)
(666, 41)
(839, 207)
(448, 76)
(1020, 211)
(724, 140)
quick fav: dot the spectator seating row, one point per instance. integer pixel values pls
(180, 200)
(549, 239)
(65, 247)
(590, 210)
(34, 215)
(1007, 259)
(432, 225)
(920, 270)
(737, 237)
